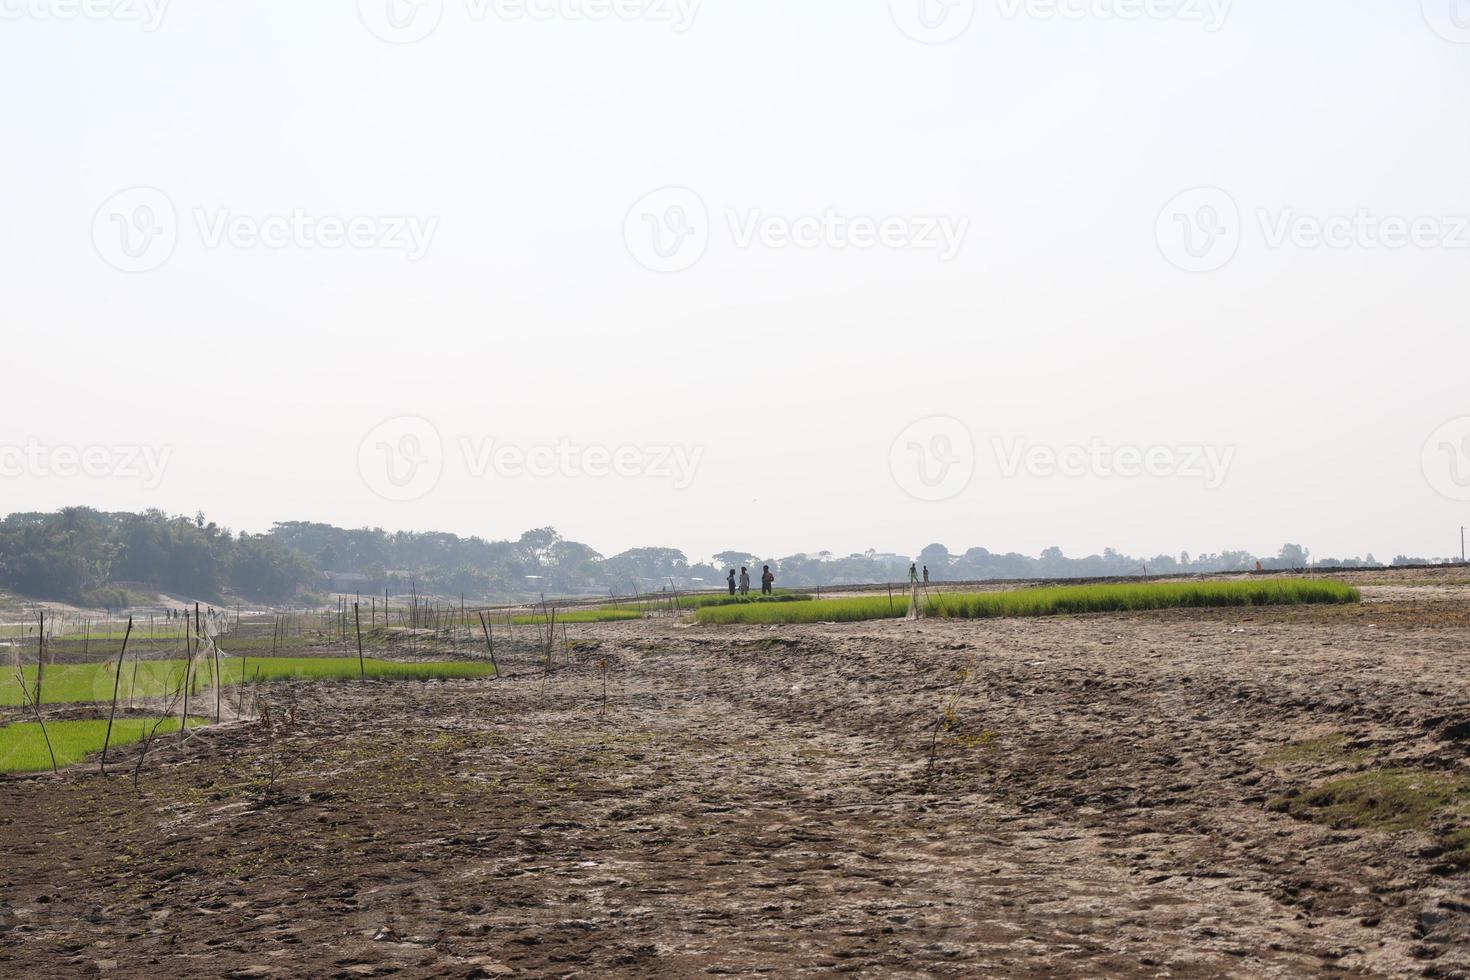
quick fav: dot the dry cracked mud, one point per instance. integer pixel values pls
(1093, 796)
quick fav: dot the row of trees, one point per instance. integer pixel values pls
(83, 555)
(80, 554)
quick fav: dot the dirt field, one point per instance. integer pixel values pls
(1096, 796)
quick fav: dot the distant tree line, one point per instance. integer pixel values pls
(83, 555)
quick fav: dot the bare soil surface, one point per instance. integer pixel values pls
(1074, 796)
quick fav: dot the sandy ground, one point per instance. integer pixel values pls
(776, 801)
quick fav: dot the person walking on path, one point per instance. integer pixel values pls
(744, 580)
(914, 573)
(926, 574)
(730, 580)
(767, 581)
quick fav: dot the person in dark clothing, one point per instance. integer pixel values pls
(767, 581)
(730, 580)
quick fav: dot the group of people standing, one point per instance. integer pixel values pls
(768, 581)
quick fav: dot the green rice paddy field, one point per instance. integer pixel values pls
(77, 683)
(1061, 600)
(23, 747)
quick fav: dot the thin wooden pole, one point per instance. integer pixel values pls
(188, 665)
(40, 658)
(357, 619)
(116, 680)
(490, 642)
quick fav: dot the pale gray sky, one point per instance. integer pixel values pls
(825, 284)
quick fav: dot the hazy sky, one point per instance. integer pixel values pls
(1149, 274)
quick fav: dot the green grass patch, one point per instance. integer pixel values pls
(23, 747)
(1393, 800)
(1328, 749)
(80, 683)
(808, 611)
(1387, 799)
(1077, 599)
(1055, 601)
(602, 614)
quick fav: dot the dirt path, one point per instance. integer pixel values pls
(765, 801)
